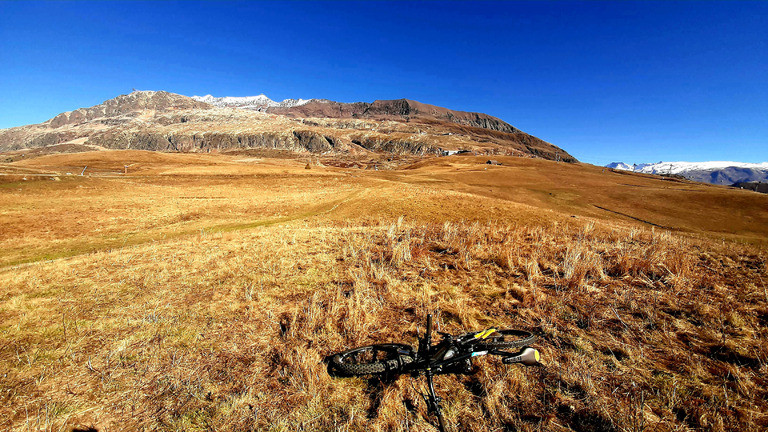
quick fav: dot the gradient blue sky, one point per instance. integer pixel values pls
(606, 81)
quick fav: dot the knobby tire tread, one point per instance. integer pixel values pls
(370, 368)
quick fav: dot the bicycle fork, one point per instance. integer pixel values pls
(433, 402)
(432, 399)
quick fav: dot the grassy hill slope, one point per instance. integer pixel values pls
(204, 291)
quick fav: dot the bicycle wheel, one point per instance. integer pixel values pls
(373, 359)
(506, 339)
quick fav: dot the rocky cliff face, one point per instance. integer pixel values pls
(162, 121)
(297, 140)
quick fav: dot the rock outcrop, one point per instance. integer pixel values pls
(300, 141)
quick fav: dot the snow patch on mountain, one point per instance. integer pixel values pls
(255, 103)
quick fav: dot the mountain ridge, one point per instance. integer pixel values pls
(380, 108)
(714, 172)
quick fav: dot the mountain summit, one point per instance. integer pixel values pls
(130, 104)
(162, 121)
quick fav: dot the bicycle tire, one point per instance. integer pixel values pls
(506, 339)
(364, 360)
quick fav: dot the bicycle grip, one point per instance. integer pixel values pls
(527, 356)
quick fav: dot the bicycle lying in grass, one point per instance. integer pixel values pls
(453, 354)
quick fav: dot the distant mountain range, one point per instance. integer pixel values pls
(715, 172)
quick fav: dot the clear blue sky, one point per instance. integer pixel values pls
(606, 81)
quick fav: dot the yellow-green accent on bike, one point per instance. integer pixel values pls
(485, 334)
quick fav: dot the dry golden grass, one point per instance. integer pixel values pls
(153, 320)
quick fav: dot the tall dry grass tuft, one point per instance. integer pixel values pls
(399, 244)
(580, 265)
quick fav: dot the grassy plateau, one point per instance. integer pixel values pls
(175, 292)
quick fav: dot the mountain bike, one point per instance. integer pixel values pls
(452, 355)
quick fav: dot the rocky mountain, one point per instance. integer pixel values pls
(715, 172)
(163, 121)
(397, 109)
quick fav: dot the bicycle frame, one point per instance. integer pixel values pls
(431, 360)
(434, 357)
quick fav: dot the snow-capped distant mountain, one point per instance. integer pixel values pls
(683, 167)
(715, 172)
(620, 166)
(255, 103)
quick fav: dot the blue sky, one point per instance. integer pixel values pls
(606, 81)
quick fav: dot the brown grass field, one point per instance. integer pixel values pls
(203, 292)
